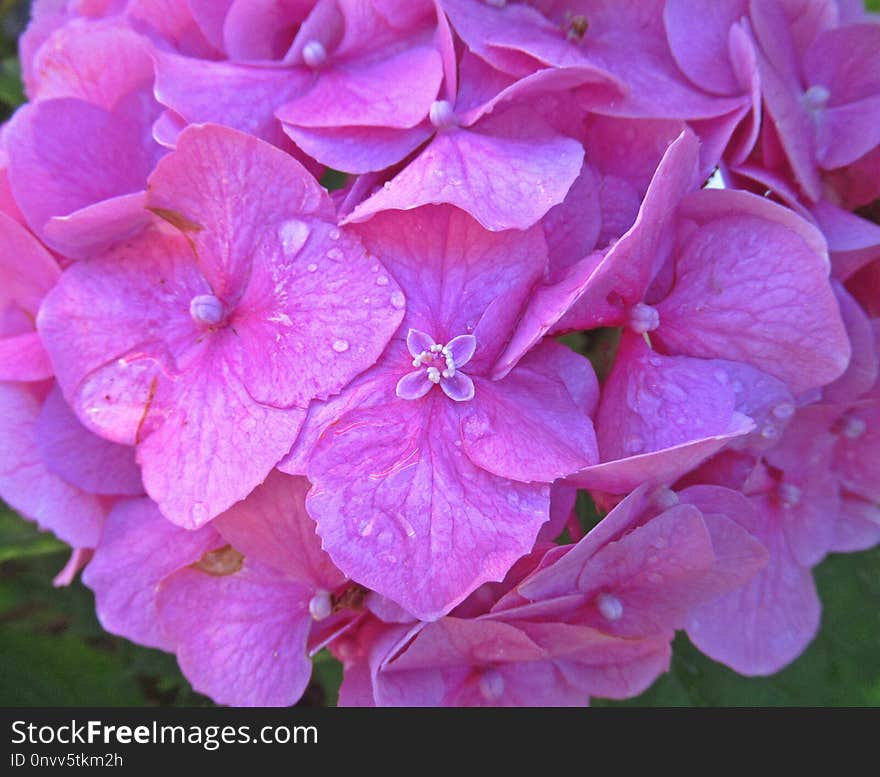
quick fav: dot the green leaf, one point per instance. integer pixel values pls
(840, 668)
(20, 539)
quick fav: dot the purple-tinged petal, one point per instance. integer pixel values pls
(28, 485)
(402, 510)
(243, 97)
(415, 385)
(857, 526)
(458, 278)
(506, 172)
(81, 458)
(358, 149)
(862, 372)
(240, 638)
(697, 32)
(23, 358)
(462, 349)
(741, 281)
(273, 527)
(418, 342)
(459, 387)
(531, 410)
(760, 628)
(137, 550)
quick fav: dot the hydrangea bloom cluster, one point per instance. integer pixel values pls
(271, 419)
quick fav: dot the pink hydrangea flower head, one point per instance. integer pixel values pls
(235, 302)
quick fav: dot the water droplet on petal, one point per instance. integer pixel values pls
(610, 606)
(340, 346)
(398, 300)
(491, 685)
(382, 280)
(293, 234)
(311, 267)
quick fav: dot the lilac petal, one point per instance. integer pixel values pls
(83, 459)
(239, 638)
(239, 96)
(746, 268)
(758, 629)
(459, 387)
(411, 517)
(414, 385)
(27, 484)
(418, 342)
(52, 176)
(532, 169)
(530, 410)
(137, 550)
(99, 63)
(697, 32)
(462, 348)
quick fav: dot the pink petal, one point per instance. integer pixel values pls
(411, 517)
(139, 548)
(239, 638)
(272, 526)
(81, 458)
(741, 282)
(27, 484)
(528, 411)
(532, 169)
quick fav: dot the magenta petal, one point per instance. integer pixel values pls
(857, 526)
(506, 176)
(214, 158)
(68, 154)
(528, 411)
(741, 269)
(239, 638)
(758, 629)
(401, 510)
(23, 358)
(273, 527)
(697, 33)
(243, 97)
(139, 548)
(394, 91)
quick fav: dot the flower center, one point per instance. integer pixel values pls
(206, 310)
(438, 365)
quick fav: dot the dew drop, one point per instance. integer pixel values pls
(340, 346)
(311, 267)
(382, 280)
(491, 685)
(335, 254)
(610, 606)
(293, 234)
(398, 300)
